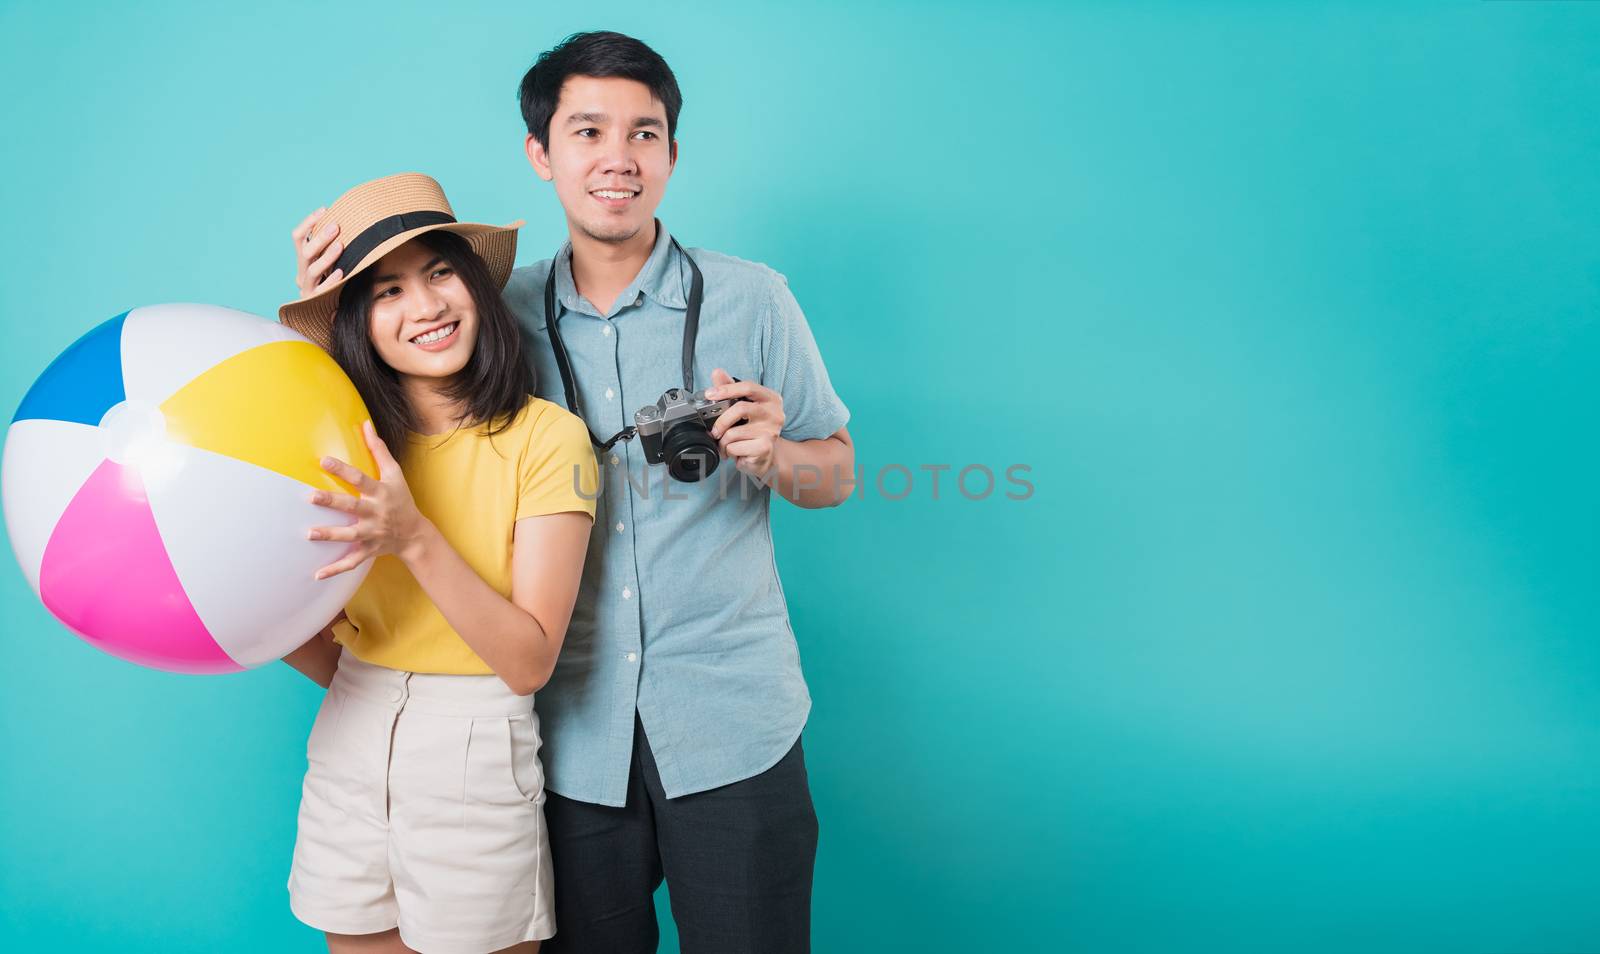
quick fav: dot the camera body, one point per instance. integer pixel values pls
(676, 431)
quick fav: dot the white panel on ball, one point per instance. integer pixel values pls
(236, 534)
(46, 462)
(165, 347)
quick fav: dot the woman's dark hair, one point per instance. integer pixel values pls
(599, 54)
(491, 388)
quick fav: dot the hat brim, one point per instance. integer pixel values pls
(495, 244)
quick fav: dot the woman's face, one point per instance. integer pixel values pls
(423, 322)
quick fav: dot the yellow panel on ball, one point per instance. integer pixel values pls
(281, 406)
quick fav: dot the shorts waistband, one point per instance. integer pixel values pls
(468, 696)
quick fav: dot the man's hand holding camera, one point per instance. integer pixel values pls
(748, 431)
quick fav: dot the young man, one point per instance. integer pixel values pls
(674, 716)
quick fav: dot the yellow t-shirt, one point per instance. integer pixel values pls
(474, 488)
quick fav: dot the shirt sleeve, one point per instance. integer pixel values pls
(558, 474)
(792, 366)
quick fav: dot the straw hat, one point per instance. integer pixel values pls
(377, 217)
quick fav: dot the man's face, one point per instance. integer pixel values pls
(609, 156)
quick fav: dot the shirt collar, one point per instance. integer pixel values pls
(661, 278)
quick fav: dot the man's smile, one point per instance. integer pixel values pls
(614, 197)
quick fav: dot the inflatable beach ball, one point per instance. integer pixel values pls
(157, 482)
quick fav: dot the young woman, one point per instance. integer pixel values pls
(421, 824)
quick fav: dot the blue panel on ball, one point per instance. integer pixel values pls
(83, 383)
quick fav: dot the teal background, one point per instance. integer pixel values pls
(1290, 309)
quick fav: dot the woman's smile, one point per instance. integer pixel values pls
(438, 339)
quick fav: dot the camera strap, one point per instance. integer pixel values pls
(691, 329)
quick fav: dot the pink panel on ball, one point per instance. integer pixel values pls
(106, 575)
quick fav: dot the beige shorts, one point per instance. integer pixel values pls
(423, 809)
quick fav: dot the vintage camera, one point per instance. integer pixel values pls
(676, 430)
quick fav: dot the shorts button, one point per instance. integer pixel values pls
(394, 694)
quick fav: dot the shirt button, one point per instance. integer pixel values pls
(632, 657)
(627, 593)
(614, 460)
(606, 331)
(610, 394)
(619, 526)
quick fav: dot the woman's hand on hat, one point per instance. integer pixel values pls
(316, 248)
(387, 518)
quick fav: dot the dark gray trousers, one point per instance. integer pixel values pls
(737, 861)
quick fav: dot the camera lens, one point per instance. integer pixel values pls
(689, 452)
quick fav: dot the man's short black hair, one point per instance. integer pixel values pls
(599, 54)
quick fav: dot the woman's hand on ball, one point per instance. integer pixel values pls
(387, 518)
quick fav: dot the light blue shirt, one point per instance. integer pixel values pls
(681, 616)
